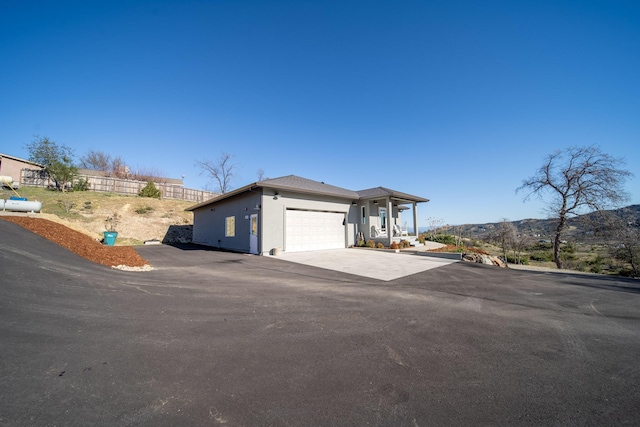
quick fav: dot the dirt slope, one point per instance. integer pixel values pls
(141, 218)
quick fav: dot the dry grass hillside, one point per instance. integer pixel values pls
(141, 218)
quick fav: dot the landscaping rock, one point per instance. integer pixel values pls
(484, 259)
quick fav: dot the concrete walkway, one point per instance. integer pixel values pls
(375, 264)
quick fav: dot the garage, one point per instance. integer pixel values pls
(308, 230)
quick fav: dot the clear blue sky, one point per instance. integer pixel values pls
(456, 101)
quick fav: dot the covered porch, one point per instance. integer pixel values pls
(388, 216)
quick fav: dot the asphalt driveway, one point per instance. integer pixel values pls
(214, 338)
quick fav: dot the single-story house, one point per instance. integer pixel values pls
(12, 166)
(293, 214)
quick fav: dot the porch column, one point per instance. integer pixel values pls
(389, 220)
(415, 219)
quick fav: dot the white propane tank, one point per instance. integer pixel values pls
(22, 205)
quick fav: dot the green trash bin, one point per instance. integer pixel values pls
(110, 238)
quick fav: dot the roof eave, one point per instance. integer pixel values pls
(305, 191)
(222, 197)
(267, 185)
(400, 197)
(18, 159)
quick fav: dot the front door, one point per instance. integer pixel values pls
(382, 213)
(253, 236)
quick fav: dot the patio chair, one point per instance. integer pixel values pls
(376, 232)
(397, 231)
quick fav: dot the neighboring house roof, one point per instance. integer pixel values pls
(309, 186)
(18, 159)
(373, 193)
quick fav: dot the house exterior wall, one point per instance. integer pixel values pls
(209, 222)
(13, 168)
(273, 215)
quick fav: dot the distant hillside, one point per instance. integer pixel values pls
(577, 229)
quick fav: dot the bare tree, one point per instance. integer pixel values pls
(457, 233)
(435, 224)
(119, 168)
(577, 180)
(504, 235)
(628, 248)
(96, 160)
(143, 173)
(222, 170)
(260, 175)
(103, 162)
(520, 242)
(622, 236)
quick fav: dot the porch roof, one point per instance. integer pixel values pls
(381, 192)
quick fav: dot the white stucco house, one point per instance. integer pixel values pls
(293, 214)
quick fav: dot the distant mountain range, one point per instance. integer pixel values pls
(577, 227)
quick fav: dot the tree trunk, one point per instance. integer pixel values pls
(632, 260)
(556, 241)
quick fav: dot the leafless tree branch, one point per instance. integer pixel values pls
(574, 181)
(222, 171)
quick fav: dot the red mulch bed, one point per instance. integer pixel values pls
(79, 243)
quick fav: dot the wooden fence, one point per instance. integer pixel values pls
(38, 178)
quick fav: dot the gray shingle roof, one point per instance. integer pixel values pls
(293, 182)
(309, 186)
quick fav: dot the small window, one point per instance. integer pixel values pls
(364, 215)
(230, 226)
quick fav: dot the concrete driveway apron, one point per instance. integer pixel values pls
(381, 265)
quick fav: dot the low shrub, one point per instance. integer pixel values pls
(596, 265)
(542, 256)
(380, 246)
(445, 239)
(81, 185)
(627, 272)
(370, 244)
(66, 204)
(522, 259)
(542, 246)
(394, 245)
(150, 190)
(144, 210)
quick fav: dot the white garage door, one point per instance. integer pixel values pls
(314, 230)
